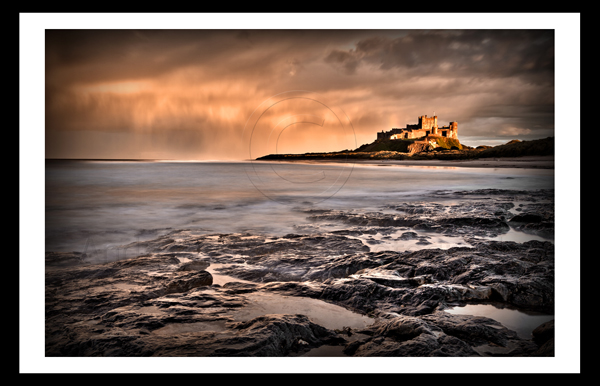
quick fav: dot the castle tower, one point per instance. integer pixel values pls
(453, 129)
(426, 123)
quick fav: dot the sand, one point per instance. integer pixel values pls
(536, 162)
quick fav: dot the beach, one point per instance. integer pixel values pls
(526, 162)
(534, 162)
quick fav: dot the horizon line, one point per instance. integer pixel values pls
(143, 159)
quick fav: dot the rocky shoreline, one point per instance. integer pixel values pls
(184, 295)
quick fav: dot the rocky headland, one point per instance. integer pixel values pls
(424, 150)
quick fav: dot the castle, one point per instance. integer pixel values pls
(425, 127)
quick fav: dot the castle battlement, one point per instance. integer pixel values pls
(427, 126)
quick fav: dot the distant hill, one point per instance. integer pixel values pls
(516, 148)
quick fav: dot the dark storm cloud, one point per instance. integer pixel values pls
(123, 54)
(479, 53)
(111, 55)
(130, 54)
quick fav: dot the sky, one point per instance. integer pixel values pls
(198, 93)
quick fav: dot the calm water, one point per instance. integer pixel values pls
(521, 322)
(112, 203)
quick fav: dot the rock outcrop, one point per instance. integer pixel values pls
(420, 146)
(167, 303)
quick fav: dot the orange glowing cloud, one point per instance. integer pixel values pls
(190, 93)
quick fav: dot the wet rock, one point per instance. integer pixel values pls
(194, 266)
(408, 236)
(147, 260)
(239, 288)
(438, 334)
(527, 218)
(543, 336)
(187, 282)
(455, 224)
(374, 242)
(340, 267)
(279, 335)
(137, 306)
(546, 350)
(543, 332)
(482, 220)
(392, 281)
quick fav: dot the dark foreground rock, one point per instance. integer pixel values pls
(440, 334)
(191, 294)
(543, 336)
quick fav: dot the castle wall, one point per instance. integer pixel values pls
(426, 126)
(410, 134)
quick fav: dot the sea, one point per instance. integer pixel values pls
(105, 204)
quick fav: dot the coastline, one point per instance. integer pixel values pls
(527, 162)
(537, 162)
